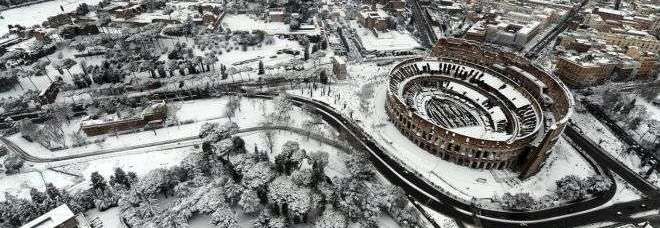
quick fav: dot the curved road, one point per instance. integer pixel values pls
(430, 196)
(29, 157)
(427, 194)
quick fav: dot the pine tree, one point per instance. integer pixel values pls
(120, 178)
(52, 192)
(261, 67)
(250, 202)
(306, 56)
(37, 196)
(323, 77)
(98, 182)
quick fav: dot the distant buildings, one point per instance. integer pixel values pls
(595, 67)
(643, 41)
(277, 15)
(585, 69)
(609, 20)
(513, 29)
(60, 217)
(128, 11)
(589, 57)
(59, 20)
(374, 18)
(648, 63)
(395, 7)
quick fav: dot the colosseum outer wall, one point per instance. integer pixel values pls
(527, 157)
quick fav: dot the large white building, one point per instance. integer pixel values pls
(60, 217)
(513, 28)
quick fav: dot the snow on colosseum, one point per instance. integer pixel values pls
(479, 107)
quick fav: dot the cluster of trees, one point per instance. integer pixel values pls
(16, 211)
(17, 104)
(8, 3)
(69, 31)
(7, 81)
(116, 104)
(632, 114)
(223, 180)
(49, 134)
(102, 194)
(570, 188)
(12, 163)
(187, 28)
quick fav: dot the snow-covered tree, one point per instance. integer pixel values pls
(597, 184)
(319, 160)
(353, 200)
(519, 201)
(119, 179)
(13, 163)
(105, 199)
(27, 129)
(331, 219)
(302, 177)
(359, 166)
(277, 222)
(98, 181)
(156, 181)
(250, 202)
(281, 115)
(258, 175)
(224, 217)
(570, 188)
(283, 192)
(214, 132)
(285, 161)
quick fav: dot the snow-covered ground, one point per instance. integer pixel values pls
(199, 111)
(265, 51)
(20, 184)
(244, 22)
(442, 220)
(624, 191)
(466, 182)
(602, 135)
(386, 41)
(463, 182)
(38, 13)
(142, 163)
(142, 160)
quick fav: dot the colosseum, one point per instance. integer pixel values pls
(479, 107)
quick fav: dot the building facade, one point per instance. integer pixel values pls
(152, 116)
(584, 70)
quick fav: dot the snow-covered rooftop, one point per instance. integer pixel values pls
(51, 219)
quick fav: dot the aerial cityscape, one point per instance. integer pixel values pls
(329, 113)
